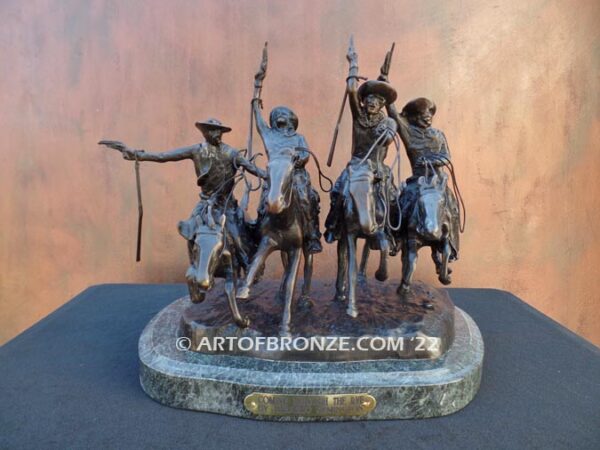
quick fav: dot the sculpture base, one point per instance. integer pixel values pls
(306, 391)
(420, 322)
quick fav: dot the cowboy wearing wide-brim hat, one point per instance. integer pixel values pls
(372, 132)
(379, 88)
(216, 165)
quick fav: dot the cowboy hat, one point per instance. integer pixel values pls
(380, 88)
(212, 124)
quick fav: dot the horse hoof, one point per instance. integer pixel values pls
(243, 323)
(352, 312)
(243, 291)
(197, 297)
(305, 302)
(381, 275)
(403, 288)
(446, 280)
(285, 332)
(340, 298)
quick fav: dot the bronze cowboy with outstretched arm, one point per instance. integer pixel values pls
(216, 165)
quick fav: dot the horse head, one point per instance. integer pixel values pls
(280, 169)
(361, 178)
(209, 241)
(431, 206)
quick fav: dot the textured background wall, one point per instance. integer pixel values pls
(516, 84)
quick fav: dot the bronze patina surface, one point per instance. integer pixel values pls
(421, 323)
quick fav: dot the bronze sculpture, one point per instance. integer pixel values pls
(362, 194)
(432, 350)
(365, 201)
(289, 207)
(429, 208)
(219, 240)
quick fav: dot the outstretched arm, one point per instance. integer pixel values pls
(177, 154)
(131, 154)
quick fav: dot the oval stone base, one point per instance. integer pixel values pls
(308, 391)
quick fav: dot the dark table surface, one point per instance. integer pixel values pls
(71, 381)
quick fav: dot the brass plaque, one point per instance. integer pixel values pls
(263, 404)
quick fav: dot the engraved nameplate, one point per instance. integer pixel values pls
(264, 404)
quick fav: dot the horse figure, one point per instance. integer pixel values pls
(429, 225)
(212, 254)
(360, 220)
(282, 228)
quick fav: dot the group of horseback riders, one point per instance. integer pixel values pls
(365, 200)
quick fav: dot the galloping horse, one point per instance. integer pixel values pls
(212, 254)
(360, 221)
(427, 225)
(282, 228)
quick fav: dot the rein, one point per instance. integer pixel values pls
(461, 220)
(321, 174)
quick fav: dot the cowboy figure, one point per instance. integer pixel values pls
(372, 133)
(427, 150)
(216, 165)
(281, 134)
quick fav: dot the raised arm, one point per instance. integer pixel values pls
(352, 80)
(261, 125)
(401, 122)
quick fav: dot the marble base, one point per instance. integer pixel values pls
(403, 389)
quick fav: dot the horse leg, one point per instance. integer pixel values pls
(289, 284)
(308, 270)
(382, 272)
(444, 275)
(196, 295)
(342, 270)
(284, 260)
(266, 247)
(362, 271)
(230, 292)
(435, 256)
(352, 272)
(409, 263)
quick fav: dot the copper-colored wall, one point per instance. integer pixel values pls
(516, 83)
